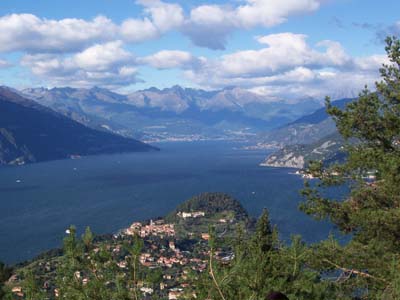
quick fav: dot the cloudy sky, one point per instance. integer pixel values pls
(279, 48)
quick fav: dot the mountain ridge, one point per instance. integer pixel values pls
(307, 129)
(30, 132)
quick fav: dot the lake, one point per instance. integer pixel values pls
(39, 201)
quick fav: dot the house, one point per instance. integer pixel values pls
(205, 236)
(174, 294)
(16, 289)
(172, 245)
(195, 214)
(146, 290)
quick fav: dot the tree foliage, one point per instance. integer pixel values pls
(368, 265)
(5, 273)
(263, 264)
(86, 271)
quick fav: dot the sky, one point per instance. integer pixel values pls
(282, 49)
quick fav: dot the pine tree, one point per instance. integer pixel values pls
(263, 264)
(87, 272)
(87, 238)
(135, 251)
(68, 281)
(31, 287)
(5, 273)
(263, 237)
(371, 212)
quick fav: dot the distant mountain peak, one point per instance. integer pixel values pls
(231, 87)
(38, 89)
(98, 89)
(150, 89)
(63, 89)
(177, 87)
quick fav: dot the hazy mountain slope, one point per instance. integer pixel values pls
(321, 115)
(30, 132)
(305, 130)
(89, 107)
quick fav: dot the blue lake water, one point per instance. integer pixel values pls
(39, 201)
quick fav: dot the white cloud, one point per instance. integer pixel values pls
(26, 32)
(335, 53)
(210, 25)
(316, 84)
(29, 33)
(160, 17)
(107, 65)
(207, 25)
(4, 64)
(168, 59)
(211, 15)
(284, 51)
(371, 63)
(135, 31)
(272, 12)
(289, 67)
(165, 16)
(103, 57)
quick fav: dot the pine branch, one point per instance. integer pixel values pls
(213, 276)
(356, 272)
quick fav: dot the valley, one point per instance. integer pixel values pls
(173, 114)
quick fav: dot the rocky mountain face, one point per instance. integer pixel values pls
(311, 137)
(174, 113)
(327, 149)
(30, 132)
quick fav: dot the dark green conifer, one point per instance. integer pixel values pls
(371, 212)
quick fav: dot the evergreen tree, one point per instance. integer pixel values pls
(31, 287)
(135, 251)
(371, 212)
(5, 273)
(69, 285)
(87, 238)
(263, 237)
(88, 272)
(263, 264)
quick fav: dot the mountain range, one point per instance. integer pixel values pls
(174, 113)
(91, 121)
(30, 132)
